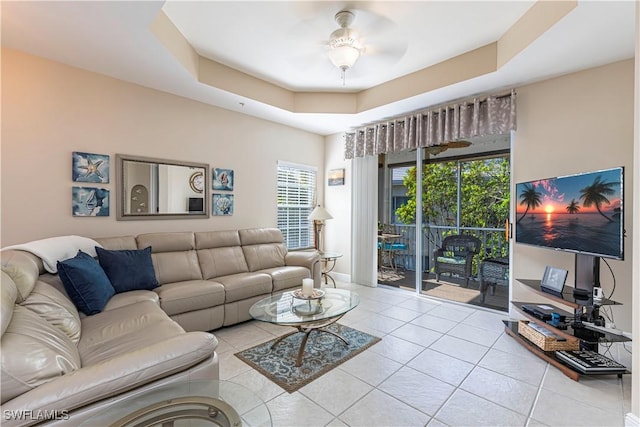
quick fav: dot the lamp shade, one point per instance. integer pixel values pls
(319, 214)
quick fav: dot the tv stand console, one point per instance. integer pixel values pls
(571, 329)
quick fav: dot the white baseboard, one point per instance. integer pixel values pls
(631, 420)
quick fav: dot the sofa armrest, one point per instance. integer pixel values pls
(308, 259)
(302, 258)
(94, 383)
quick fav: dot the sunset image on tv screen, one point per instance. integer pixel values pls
(578, 213)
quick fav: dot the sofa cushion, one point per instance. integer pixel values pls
(258, 236)
(217, 239)
(263, 248)
(245, 285)
(260, 257)
(132, 297)
(112, 332)
(173, 267)
(85, 282)
(225, 261)
(287, 277)
(118, 242)
(23, 268)
(128, 269)
(167, 241)
(33, 352)
(182, 297)
(55, 308)
(7, 300)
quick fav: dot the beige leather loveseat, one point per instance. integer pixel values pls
(58, 363)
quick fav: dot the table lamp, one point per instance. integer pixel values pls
(318, 216)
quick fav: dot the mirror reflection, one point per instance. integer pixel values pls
(154, 188)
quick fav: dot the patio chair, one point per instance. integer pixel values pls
(456, 256)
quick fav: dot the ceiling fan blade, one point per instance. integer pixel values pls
(369, 24)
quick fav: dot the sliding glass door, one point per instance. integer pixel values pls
(466, 195)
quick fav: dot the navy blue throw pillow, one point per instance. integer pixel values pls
(85, 282)
(128, 269)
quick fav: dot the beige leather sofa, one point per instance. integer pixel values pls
(58, 362)
(211, 279)
(59, 365)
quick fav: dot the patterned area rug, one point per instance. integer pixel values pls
(322, 353)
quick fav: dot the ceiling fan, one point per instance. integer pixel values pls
(360, 41)
(344, 43)
(434, 150)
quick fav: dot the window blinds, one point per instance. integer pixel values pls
(296, 200)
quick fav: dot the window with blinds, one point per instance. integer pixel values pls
(296, 199)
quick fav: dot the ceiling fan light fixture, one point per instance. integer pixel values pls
(344, 46)
(344, 56)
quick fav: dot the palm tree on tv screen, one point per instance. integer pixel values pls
(594, 194)
(530, 197)
(573, 207)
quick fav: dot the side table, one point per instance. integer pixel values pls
(493, 271)
(328, 264)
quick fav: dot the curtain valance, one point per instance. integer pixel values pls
(437, 126)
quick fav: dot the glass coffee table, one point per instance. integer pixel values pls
(307, 315)
(201, 402)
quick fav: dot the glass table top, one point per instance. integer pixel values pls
(330, 255)
(201, 403)
(286, 309)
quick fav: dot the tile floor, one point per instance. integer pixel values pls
(438, 364)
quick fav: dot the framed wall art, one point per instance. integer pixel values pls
(89, 201)
(222, 179)
(336, 177)
(222, 204)
(89, 167)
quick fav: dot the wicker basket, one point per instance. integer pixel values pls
(545, 342)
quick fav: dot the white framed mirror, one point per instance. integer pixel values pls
(151, 188)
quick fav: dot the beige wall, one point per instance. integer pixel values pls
(50, 110)
(577, 123)
(338, 203)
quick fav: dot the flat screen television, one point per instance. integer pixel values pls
(580, 213)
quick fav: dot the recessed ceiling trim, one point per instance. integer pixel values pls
(535, 22)
(169, 35)
(475, 63)
(226, 78)
(321, 102)
(463, 67)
